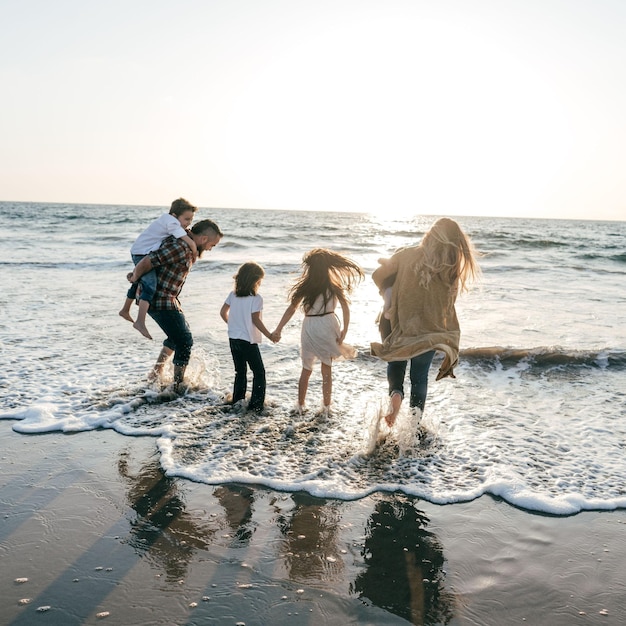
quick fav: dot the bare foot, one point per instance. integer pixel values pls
(396, 403)
(126, 315)
(142, 329)
(180, 388)
(390, 418)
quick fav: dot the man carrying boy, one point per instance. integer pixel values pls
(172, 262)
(176, 223)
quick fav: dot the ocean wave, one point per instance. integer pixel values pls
(514, 240)
(231, 244)
(547, 356)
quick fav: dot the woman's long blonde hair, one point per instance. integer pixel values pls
(449, 254)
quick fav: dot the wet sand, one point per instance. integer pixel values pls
(93, 532)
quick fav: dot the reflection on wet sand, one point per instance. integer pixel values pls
(162, 530)
(400, 565)
(404, 565)
(237, 502)
(310, 539)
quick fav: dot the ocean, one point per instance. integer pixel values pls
(535, 415)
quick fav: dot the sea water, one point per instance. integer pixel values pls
(535, 414)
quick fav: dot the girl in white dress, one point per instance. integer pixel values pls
(327, 279)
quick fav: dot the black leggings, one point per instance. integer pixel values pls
(244, 354)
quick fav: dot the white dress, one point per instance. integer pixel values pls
(320, 332)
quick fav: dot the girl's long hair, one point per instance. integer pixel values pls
(247, 278)
(449, 254)
(325, 273)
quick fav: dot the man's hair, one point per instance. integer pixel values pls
(181, 205)
(203, 227)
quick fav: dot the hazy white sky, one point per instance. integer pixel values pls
(481, 107)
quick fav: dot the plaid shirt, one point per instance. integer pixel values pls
(172, 262)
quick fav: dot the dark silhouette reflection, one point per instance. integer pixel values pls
(162, 531)
(310, 544)
(404, 564)
(237, 502)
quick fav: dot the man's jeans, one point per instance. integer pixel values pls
(179, 339)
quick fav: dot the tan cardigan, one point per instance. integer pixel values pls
(422, 318)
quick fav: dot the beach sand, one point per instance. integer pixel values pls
(93, 532)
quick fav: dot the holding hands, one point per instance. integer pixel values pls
(275, 336)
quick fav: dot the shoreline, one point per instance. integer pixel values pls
(103, 536)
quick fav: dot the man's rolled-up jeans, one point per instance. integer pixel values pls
(179, 338)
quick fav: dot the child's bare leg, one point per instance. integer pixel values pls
(327, 384)
(303, 385)
(396, 403)
(140, 324)
(160, 364)
(125, 310)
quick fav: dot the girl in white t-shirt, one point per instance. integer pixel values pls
(242, 312)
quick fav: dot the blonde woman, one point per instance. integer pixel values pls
(422, 315)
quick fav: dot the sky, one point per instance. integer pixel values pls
(457, 107)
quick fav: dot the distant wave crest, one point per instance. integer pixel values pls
(548, 356)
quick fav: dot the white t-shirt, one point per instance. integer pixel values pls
(240, 324)
(151, 238)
